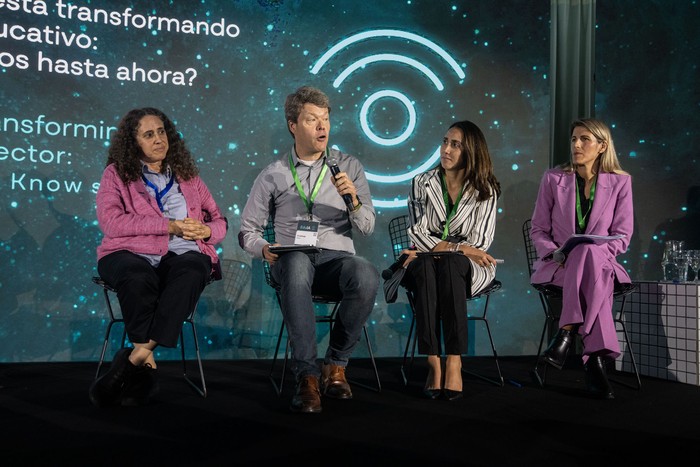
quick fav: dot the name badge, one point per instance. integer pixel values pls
(307, 233)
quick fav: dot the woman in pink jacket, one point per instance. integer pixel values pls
(160, 225)
(589, 195)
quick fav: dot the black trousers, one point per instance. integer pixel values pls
(156, 300)
(440, 286)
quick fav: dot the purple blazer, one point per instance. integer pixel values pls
(131, 220)
(554, 218)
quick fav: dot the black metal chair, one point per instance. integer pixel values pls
(550, 297)
(236, 276)
(332, 302)
(113, 319)
(398, 234)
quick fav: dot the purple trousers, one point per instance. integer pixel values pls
(588, 280)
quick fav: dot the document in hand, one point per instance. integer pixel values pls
(559, 255)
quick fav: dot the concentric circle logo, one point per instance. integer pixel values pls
(388, 95)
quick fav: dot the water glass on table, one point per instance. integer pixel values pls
(678, 271)
(693, 257)
(668, 262)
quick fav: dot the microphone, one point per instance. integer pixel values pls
(335, 170)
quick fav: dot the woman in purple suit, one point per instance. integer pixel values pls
(591, 194)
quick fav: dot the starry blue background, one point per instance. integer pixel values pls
(232, 119)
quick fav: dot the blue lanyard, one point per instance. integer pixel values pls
(159, 194)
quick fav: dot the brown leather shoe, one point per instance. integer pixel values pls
(333, 382)
(307, 398)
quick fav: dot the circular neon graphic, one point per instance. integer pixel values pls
(364, 63)
(364, 123)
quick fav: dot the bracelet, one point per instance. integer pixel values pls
(356, 208)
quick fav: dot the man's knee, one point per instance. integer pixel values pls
(365, 273)
(293, 268)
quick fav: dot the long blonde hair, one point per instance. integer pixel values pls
(608, 161)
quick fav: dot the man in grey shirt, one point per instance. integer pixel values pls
(317, 196)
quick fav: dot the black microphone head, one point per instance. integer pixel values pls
(335, 170)
(333, 164)
(387, 273)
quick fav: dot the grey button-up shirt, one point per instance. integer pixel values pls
(275, 193)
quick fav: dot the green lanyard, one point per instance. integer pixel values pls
(451, 213)
(579, 215)
(309, 202)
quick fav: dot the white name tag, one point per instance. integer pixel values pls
(307, 233)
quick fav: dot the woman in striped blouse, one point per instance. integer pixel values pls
(453, 210)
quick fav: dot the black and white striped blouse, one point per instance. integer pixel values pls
(473, 224)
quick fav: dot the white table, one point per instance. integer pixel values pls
(662, 323)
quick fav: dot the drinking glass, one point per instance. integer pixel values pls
(679, 269)
(694, 263)
(671, 247)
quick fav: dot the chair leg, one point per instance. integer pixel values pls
(378, 387)
(406, 370)
(330, 320)
(619, 320)
(201, 389)
(410, 342)
(371, 356)
(539, 379)
(278, 387)
(104, 348)
(499, 381)
(638, 384)
(112, 321)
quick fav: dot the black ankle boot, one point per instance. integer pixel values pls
(107, 389)
(555, 354)
(597, 379)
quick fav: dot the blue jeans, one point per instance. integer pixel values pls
(329, 272)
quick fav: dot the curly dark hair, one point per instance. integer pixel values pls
(125, 152)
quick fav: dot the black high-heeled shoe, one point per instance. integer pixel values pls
(451, 395)
(431, 394)
(556, 353)
(596, 377)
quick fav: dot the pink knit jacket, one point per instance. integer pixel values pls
(130, 218)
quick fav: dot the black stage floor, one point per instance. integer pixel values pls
(46, 419)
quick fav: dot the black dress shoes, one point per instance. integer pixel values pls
(555, 354)
(431, 394)
(307, 398)
(597, 379)
(141, 387)
(107, 389)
